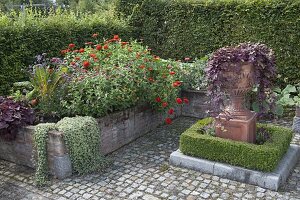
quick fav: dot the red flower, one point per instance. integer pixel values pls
(105, 47)
(172, 73)
(116, 37)
(179, 100)
(95, 35)
(63, 52)
(71, 46)
(164, 104)
(185, 100)
(77, 58)
(150, 69)
(81, 50)
(72, 63)
(124, 43)
(171, 111)
(86, 64)
(142, 66)
(156, 57)
(151, 79)
(93, 55)
(75, 51)
(187, 59)
(89, 43)
(158, 99)
(168, 120)
(176, 84)
(98, 47)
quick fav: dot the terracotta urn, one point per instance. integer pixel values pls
(241, 125)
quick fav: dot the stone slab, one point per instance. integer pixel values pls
(272, 180)
(296, 125)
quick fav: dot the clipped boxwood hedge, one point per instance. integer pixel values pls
(24, 36)
(194, 28)
(258, 157)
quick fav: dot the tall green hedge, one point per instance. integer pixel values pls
(193, 28)
(24, 36)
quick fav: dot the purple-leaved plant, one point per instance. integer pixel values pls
(13, 115)
(232, 58)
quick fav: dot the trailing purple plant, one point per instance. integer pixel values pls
(13, 115)
(230, 59)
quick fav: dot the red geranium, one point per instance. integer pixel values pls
(172, 73)
(98, 47)
(142, 66)
(185, 100)
(171, 111)
(86, 64)
(151, 79)
(158, 99)
(168, 120)
(93, 55)
(179, 100)
(164, 104)
(72, 63)
(105, 47)
(95, 35)
(116, 37)
(77, 58)
(176, 84)
(71, 46)
(81, 50)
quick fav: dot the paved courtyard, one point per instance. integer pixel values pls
(140, 170)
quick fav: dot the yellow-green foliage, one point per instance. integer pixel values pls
(82, 138)
(259, 157)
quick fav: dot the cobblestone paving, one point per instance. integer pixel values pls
(141, 171)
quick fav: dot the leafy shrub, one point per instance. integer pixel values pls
(115, 75)
(13, 116)
(23, 36)
(194, 28)
(263, 157)
(193, 74)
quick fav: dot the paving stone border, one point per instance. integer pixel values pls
(270, 181)
(296, 125)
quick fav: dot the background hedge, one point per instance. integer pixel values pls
(258, 157)
(193, 28)
(24, 36)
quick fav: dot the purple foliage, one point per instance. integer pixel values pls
(231, 58)
(13, 115)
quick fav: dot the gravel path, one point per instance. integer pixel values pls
(140, 170)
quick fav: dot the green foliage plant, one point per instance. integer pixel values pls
(115, 75)
(82, 139)
(290, 95)
(264, 157)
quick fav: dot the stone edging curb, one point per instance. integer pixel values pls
(270, 181)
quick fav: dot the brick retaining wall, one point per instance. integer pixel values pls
(117, 130)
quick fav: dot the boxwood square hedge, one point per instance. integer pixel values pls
(263, 157)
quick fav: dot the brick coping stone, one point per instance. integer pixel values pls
(272, 180)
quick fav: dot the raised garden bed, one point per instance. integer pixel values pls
(117, 130)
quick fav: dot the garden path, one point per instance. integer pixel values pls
(140, 170)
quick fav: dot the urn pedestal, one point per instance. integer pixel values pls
(237, 129)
